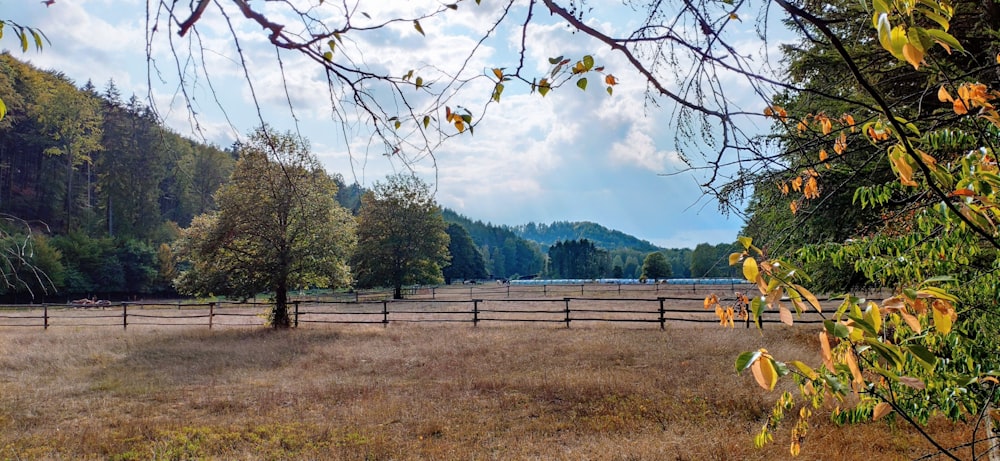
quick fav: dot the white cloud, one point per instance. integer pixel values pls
(639, 149)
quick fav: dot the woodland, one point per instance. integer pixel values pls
(104, 190)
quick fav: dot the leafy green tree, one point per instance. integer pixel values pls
(466, 261)
(71, 121)
(578, 259)
(278, 227)
(656, 267)
(402, 236)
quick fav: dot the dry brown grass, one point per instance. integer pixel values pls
(407, 392)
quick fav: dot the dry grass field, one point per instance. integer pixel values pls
(409, 392)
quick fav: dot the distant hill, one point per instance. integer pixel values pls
(608, 239)
(507, 255)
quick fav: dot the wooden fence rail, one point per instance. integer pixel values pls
(567, 311)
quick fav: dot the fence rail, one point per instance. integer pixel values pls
(566, 311)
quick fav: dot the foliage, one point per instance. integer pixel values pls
(609, 239)
(578, 259)
(656, 267)
(467, 262)
(131, 179)
(710, 260)
(278, 227)
(930, 348)
(402, 236)
(506, 254)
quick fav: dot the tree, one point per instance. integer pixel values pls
(467, 262)
(656, 267)
(71, 120)
(402, 237)
(278, 227)
(578, 259)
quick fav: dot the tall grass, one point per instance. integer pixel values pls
(408, 393)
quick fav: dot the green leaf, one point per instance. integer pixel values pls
(806, 370)
(926, 357)
(945, 38)
(543, 87)
(588, 62)
(497, 91)
(838, 330)
(555, 61)
(3, 109)
(610, 91)
(582, 83)
(745, 360)
(24, 40)
(416, 25)
(420, 82)
(328, 56)
(427, 121)
(889, 352)
(860, 322)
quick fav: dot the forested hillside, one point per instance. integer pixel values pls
(102, 185)
(506, 254)
(609, 239)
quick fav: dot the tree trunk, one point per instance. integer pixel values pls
(279, 315)
(397, 293)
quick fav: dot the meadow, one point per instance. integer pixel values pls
(412, 392)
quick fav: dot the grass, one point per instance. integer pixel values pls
(409, 392)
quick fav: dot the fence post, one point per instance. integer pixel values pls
(45, 316)
(544, 290)
(296, 303)
(581, 288)
(211, 314)
(567, 311)
(508, 290)
(385, 313)
(124, 316)
(355, 295)
(475, 312)
(433, 294)
(663, 320)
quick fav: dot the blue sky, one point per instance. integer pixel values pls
(570, 156)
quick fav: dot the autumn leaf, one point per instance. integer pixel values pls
(764, 371)
(881, 409)
(785, 315)
(416, 25)
(750, 270)
(826, 351)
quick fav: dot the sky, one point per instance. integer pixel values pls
(569, 156)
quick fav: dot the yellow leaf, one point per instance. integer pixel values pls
(734, 258)
(881, 409)
(912, 321)
(943, 95)
(750, 270)
(823, 155)
(913, 55)
(764, 372)
(942, 312)
(711, 300)
(498, 73)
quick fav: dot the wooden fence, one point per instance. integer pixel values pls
(429, 307)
